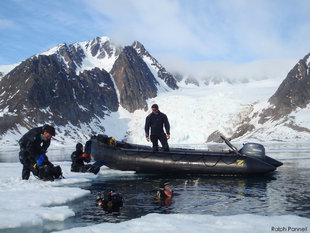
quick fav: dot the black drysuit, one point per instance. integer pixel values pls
(78, 161)
(157, 122)
(32, 144)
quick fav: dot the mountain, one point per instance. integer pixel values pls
(134, 80)
(162, 73)
(294, 91)
(40, 89)
(283, 110)
(79, 84)
(96, 87)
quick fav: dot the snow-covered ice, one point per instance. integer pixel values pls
(30, 203)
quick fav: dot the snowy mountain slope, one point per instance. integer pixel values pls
(165, 79)
(98, 53)
(285, 116)
(69, 86)
(196, 112)
(295, 127)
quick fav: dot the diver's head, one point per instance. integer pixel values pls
(165, 189)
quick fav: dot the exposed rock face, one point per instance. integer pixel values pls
(192, 80)
(40, 90)
(215, 137)
(293, 92)
(72, 84)
(162, 73)
(134, 80)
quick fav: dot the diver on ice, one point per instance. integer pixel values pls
(32, 155)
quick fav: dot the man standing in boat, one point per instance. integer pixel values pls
(157, 121)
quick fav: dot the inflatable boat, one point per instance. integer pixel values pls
(250, 159)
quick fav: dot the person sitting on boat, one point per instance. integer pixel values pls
(156, 121)
(110, 201)
(78, 158)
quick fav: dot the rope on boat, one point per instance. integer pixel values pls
(138, 153)
(202, 157)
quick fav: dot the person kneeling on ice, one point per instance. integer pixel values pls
(78, 158)
(33, 148)
(110, 201)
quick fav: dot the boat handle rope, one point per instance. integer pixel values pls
(136, 152)
(202, 157)
(220, 158)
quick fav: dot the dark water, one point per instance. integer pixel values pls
(284, 192)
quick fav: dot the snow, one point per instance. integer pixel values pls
(52, 51)
(30, 203)
(302, 116)
(200, 223)
(162, 86)
(7, 112)
(90, 61)
(26, 203)
(194, 112)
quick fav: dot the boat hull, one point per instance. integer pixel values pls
(178, 161)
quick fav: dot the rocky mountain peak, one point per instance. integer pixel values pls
(140, 49)
(79, 84)
(41, 90)
(102, 47)
(134, 80)
(294, 91)
(161, 71)
(292, 95)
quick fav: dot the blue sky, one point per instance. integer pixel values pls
(235, 31)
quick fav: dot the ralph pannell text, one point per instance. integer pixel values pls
(289, 229)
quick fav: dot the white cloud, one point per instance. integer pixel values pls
(235, 30)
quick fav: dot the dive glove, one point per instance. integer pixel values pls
(40, 160)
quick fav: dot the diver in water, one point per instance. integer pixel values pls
(110, 201)
(165, 193)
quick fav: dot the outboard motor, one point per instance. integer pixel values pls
(254, 149)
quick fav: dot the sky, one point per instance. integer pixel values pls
(178, 33)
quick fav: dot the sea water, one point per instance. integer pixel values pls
(283, 192)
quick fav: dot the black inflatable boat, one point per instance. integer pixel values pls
(250, 159)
